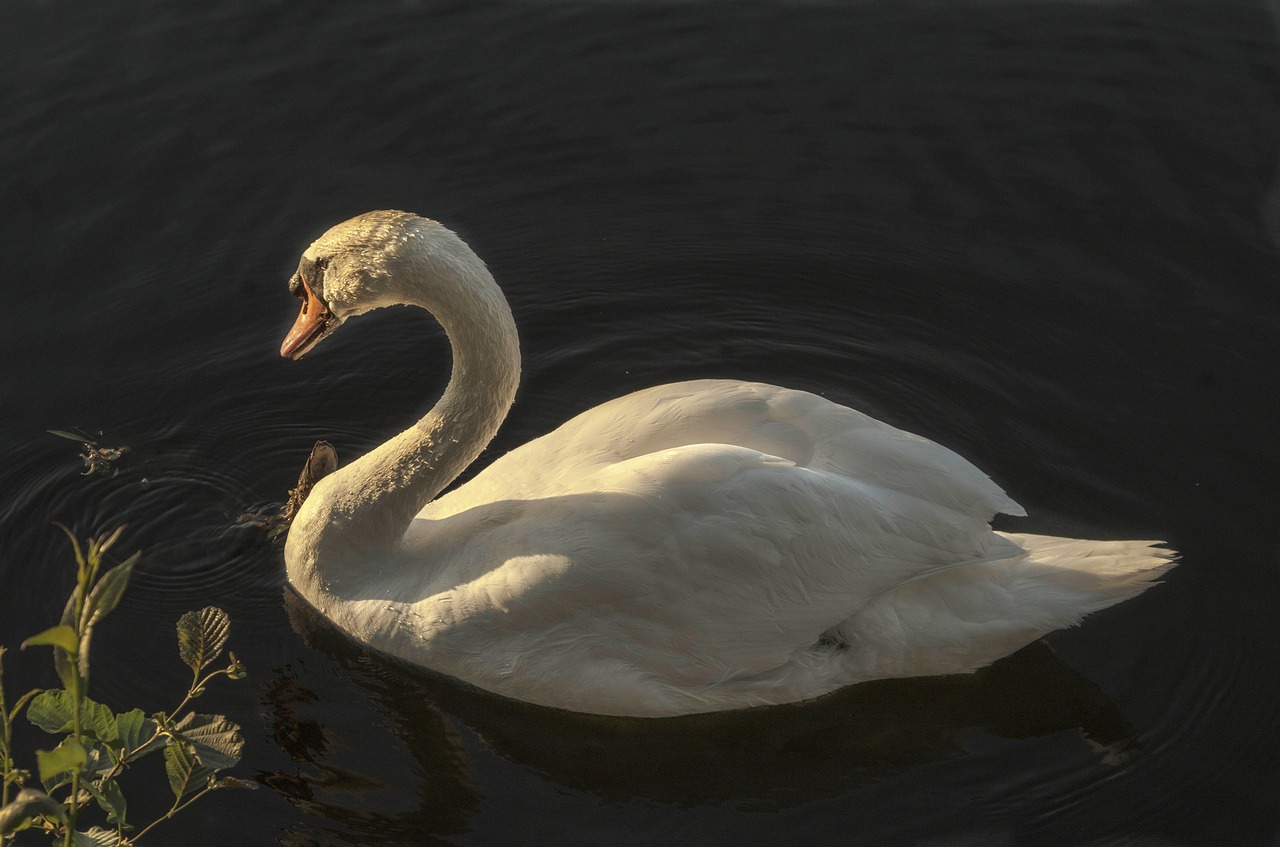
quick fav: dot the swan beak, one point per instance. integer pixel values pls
(314, 322)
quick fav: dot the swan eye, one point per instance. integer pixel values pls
(304, 279)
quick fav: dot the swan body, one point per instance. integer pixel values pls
(687, 548)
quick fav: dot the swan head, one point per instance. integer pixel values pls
(354, 268)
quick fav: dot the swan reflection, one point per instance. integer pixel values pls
(402, 762)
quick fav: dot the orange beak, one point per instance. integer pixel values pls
(314, 322)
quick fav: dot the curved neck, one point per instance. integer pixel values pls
(366, 507)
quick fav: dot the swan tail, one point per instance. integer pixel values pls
(963, 618)
(1093, 574)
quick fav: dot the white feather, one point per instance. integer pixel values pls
(692, 547)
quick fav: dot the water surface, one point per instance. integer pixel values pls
(1043, 234)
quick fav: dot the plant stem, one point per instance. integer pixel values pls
(126, 755)
(86, 575)
(177, 806)
(196, 685)
(73, 807)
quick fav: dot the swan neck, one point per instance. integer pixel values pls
(371, 503)
(482, 386)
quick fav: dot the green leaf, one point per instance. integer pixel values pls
(132, 724)
(29, 804)
(52, 712)
(110, 588)
(67, 669)
(236, 782)
(105, 541)
(16, 776)
(75, 543)
(22, 701)
(183, 767)
(60, 636)
(102, 600)
(215, 740)
(68, 757)
(96, 837)
(110, 798)
(99, 759)
(97, 721)
(136, 729)
(236, 670)
(69, 609)
(202, 635)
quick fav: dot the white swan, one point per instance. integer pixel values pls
(688, 548)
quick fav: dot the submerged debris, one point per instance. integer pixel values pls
(97, 459)
(322, 462)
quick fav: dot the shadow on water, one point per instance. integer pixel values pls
(759, 759)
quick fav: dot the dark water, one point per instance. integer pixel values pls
(1044, 234)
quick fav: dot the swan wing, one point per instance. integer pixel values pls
(802, 428)
(685, 567)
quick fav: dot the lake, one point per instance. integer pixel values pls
(1044, 234)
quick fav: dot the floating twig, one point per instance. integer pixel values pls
(322, 462)
(97, 459)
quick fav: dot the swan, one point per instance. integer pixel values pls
(692, 547)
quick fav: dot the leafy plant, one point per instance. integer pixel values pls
(98, 744)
